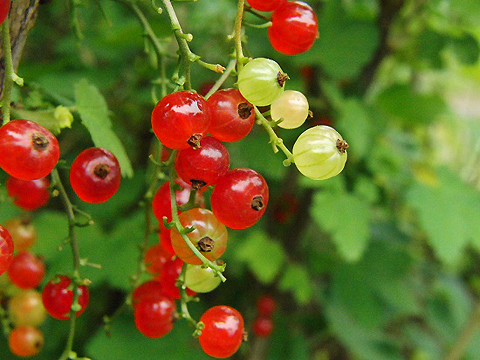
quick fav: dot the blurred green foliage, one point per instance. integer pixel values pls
(379, 263)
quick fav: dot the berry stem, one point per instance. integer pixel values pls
(221, 79)
(276, 141)
(184, 298)
(76, 278)
(9, 71)
(237, 36)
(181, 229)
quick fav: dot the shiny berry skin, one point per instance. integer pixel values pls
(209, 236)
(294, 28)
(203, 166)
(29, 151)
(154, 259)
(266, 305)
(232, 116)
(320, 153)
(26, 308)
(201, 279)
(169, 276)
(161, 200)
(58, 299)
(180, 119)
(291, 107)
(26, 270)
(6, 249)
(154, 315)
(25, 341)
(95, 175)
(240, 198)
(223, 332)
(23, 233)
(28, 195)
(261, 81)
(151, 289)
(262, 326)
(265, 5)
(4, 9)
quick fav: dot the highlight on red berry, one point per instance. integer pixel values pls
(294, 28)
(240, 198)
(181, 119)
(29, 151)
(223, 332)
(95, 175)
(58, 299)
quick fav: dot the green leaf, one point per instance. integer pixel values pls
(401, 102)
(449, 232)
(466, 49)
(263, 256)
(53, 119)
(355, 126)
(346, 218)
(345, 45)
(297, 280)
(93, 111)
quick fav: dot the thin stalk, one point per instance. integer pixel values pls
(184, 299)
(9, 71)
(276, 141)
(237, 35)
(221, 79)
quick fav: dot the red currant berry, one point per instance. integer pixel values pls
(26, 270)
(169, 276)
(4, 9)
(266, 305)
(265, 5)
(262, 326)
(155, 258)
(23, 233)
(223, 332)
(164, 239)
(232, 116)
(58, 299)
(28, 194)
(26, 308)
(95, 175)
(240, 198)
(153, 316)
(294, 28)
(6, 249)
(180, 119)
(25, 341)
(161, 200)
(151, 289)
(29, 151)
(209, 236)
(203, 166)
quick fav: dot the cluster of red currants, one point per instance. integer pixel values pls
(294, 26)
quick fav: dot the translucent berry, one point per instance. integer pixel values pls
(240, 198)
(203, 166)
(95, 175)
(209, 236)
(320, 153)
(223, 332)
(25, 341)
(154, 315)
(294, 28)
(23, 233)
(58, 299)
(29, 151)
(148, 289)
(201, 279)
(26, 308)
(232, 116)
(26, 270)
(28, 194)
(155, 258)
(265, 5)
(180, 119)
(292, 108)
(261, 81)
